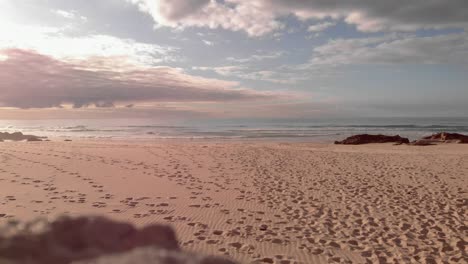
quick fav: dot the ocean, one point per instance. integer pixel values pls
(318, 130)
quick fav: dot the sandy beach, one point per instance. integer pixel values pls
(269, 202)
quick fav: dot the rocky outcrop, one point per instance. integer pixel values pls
(367, 139)
(18, 136)
(448, 137)
(92, 240)
(422, 142)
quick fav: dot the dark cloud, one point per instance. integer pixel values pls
(376, 15)
(32, 80)
(178, 9)
(259, 17)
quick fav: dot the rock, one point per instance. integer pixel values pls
(448, 137)
(366, 139)
(18, 136)
(263, 227)
(422, 142)
(32, 139)
(92, 240)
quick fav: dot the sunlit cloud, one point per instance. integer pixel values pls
(54, 42)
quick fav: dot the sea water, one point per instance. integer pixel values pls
(317, 130)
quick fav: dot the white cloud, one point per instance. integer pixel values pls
(258, 57)
(321, 26)
(69, 15)
(64, 14)
(244, 72)
(208, 43)
(222, 70)
(53, 42)
(268, 76)
(394, 49)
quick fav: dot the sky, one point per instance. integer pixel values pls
(231, 59)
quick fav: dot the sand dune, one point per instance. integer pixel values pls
(264, 202)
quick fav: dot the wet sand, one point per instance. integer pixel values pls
(265, 202)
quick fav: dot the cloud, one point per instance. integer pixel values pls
(69, 15)
(64, 14)
(231, 15)
(223, 70)
(54, 42)
(268, 76)
(381, 15)
(244, 69)
(32, 80)
(160, 112)
(208, 43)
(244, 72)
(171, 10)
(394, 49)
(260, 17)
(321, 26)
(258, 57)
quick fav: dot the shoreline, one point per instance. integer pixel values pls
(416, 142)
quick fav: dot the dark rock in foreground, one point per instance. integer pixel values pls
(92, 240)
(448, 137)
(18, 136)
(367, 139)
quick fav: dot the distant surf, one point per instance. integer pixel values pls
(325, 130)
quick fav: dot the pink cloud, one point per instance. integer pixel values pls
(32, 80)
